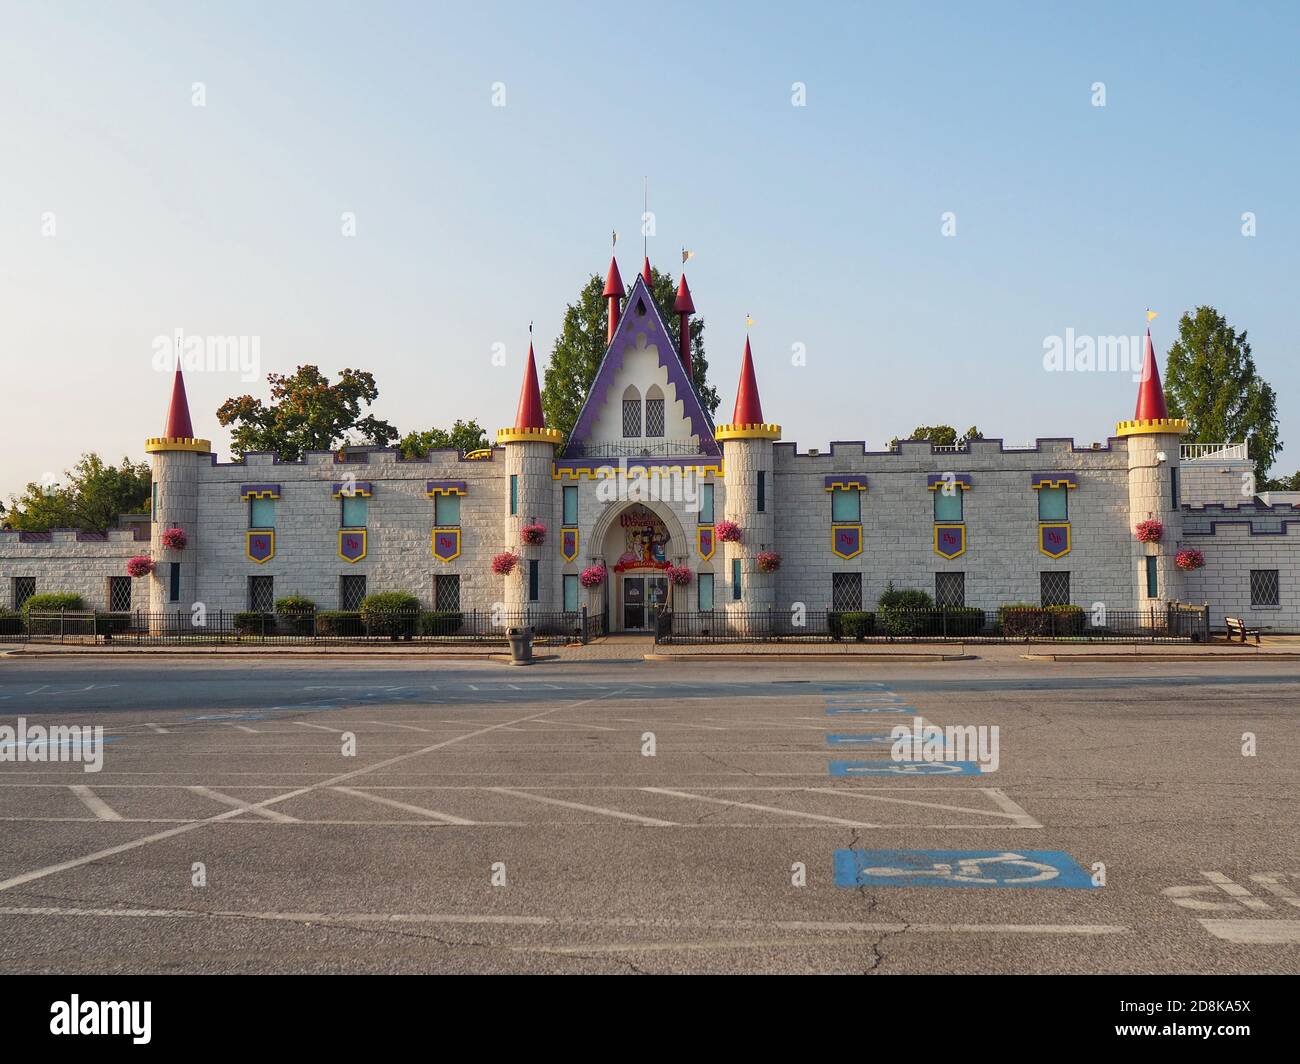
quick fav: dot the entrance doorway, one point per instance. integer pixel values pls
(640, 595)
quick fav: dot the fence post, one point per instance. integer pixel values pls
(61, 616)
(584, 625)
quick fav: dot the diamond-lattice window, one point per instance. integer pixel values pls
(846, 592)
(654, 417)
(950, 589)
(1055, 588)
(631, 418)
(446, 593)
(1264, 588)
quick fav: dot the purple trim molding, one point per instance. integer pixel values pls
(362, 489)
(1053, 480)
(446, 487)
(672, 461)
(845, 480)
(934, 480)
(1281, 530)
(793, 446)
(35, 537)
(92, 537)
(394, 451)
(245, 490)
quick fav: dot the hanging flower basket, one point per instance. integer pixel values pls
(174, 538)
(503, 564)
(769, 561)
(727, 531)
(680, 575)
(140, 565)
(593, 576)
(1150, 531)
(533, 535)
(1189, 560)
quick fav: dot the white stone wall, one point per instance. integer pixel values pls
(1205, 480)
(1230, 554)
(66, 563)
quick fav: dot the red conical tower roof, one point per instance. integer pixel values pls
(749, 410)
(613, 282)
(529, 413)
(178, 414)
(645, 271)
(683, 304)
(1151, 396)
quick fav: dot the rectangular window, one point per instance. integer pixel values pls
(762, 491)
(631, 418)
(947, 507)
(846, 591)
(846, 505)
(261, 513)
(950, 589)
(153, 508)
(352, 589)
(735, 578)
(534, 580)
(1265, 589)
(514, 493)
(654, 417)
(119, 594)
(1153, 581)
(571, 592)
(1054, 588)
(571, 507)
(1173, 487)
(356, 509)
(446, 593)
(704, 585)
(174, 582)
(1053, 504)
(261, 594)
(446, 510)
(24, 588)
(706, 504)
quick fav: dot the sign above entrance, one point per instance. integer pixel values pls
(645, 540)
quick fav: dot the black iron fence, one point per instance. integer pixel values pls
(1175, 623)
(550, 628)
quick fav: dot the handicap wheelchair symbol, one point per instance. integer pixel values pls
(957, 868)
(1003, 869)
(903, 768)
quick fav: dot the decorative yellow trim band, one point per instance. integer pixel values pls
(1151, 426)
(747, 432)
(604, 472)
(160, 444)
(479, 455)
(267, 494)
(530, 436)
(846, 485)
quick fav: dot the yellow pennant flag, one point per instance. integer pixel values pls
(687, 255)
(1151, 315)
(749, 322)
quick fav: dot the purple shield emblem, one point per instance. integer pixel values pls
(446, 543)
(705, 541)
(846, 540)
(950, 540)
(1054, 540)
(260, 546)
(569, 544)
(352, 544)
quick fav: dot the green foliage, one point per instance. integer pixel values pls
(893, 598)
(1028, 620)
(441, 622)
(294, 604)
(306, 413)
(1291, 483)
(90, 500)
(900, 611)
(941, 435)
(464, 436)
(581, 345)
(250, 622)
(1211, 380)
(338, 622)
(391, 613)
(52, 602)
(853, 624)
(11, 622)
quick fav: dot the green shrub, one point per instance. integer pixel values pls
(902, 611)
(904, 599)
(850, 624)
(295, 604)
(11, 623)
(391, 613)
(53, 601)
(338, 622)
(443, 622)
(250, 622)
(295, 615)
(959, 621)
(1023, 619)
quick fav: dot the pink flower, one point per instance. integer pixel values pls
(593, 576)
(1150, 531)
(140, 565)
(503, 564)
(769, 561)
(1189, 559)
(727, 531)
(174, 538)
(533, 535)
(680, 575)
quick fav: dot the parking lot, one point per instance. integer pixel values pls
(329, 816)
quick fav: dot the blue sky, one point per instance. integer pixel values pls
(823, 222)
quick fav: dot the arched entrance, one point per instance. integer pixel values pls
(638, 542)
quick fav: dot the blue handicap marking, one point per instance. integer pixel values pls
(832, 711)
(878, 739)
(873, 687)
(11, 745)
(959, 868)
(904, 768)
(229, 716)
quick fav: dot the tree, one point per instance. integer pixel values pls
(1291, 483)
(576, 356)
(464, 436)
(307, 413)
(941, 436)
(1210, 379)
(90, 501)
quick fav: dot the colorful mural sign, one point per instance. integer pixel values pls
(260, 546)
(446, 544)
(352, 544)
(645, 539)
(568, 544)
(1054, 540)
(950, 540)
(846, 540)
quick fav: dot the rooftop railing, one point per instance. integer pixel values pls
(1215, 452)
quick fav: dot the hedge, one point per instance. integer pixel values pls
(1028, 620)
(338, 622)
(53, 601)
(391, 613)
(443, 622)
(851, 624)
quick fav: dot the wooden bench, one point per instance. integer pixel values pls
(1236, 626)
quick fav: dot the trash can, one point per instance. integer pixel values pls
(521, 645)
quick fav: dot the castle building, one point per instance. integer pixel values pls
(647, 485)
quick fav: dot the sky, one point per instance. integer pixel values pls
(909, 201)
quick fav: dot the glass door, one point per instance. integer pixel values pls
(634, 602)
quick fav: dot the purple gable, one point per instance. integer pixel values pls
(624, 340)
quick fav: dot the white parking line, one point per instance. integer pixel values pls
(651, 821)
(244, 728)
(1257, 932)
(157, 730)
(443, 818)
(571, 724)
(763, 808)
(94, 803)
(669, 724)
(239, 803)
(319, 727)
(1009, 809)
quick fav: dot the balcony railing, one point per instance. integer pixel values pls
(639, 448)
(1213, 452)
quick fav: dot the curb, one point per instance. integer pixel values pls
(1128, 658)
(754, 657)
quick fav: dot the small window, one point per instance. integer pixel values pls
(352, 590)
(1054, 588)
(1053, 504)
(153, 506)
(261, 594)
(356, 509)
(514, 493)
(846, 505)
(704, 586)
(446, 510)
(631, 413)
(762, 491)
(174, 582)
(1264, 588)
(446, 593)
(571, 506)
(1153, 578)
(119, 594)
(950, 589)
(654, 412)
(706, 504)
(534, 580)
(947, 507)
(571, 592)
(261, 513)
(846, 592)
(735, 578)
(1173, 487)
(24, 587)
